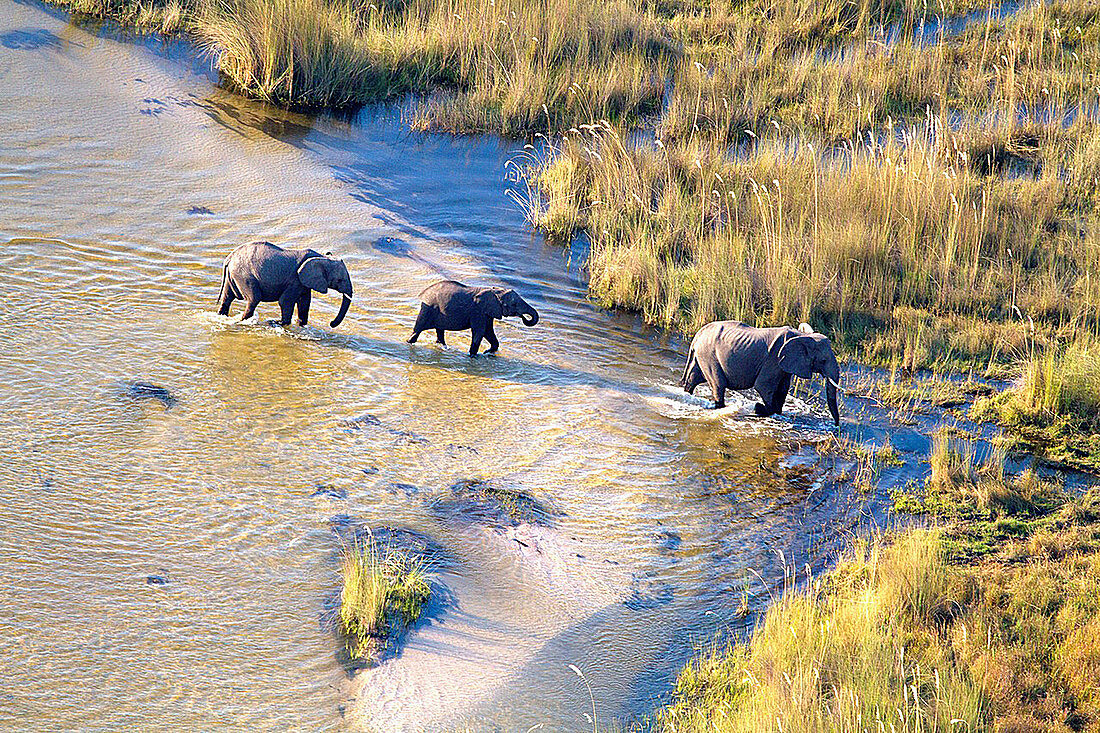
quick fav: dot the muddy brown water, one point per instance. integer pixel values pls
(169, 566)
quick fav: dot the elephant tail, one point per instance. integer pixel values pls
(689, 367)
(225, 281)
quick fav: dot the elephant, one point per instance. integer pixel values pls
(262, 272)
(731, 355)
(451, 306)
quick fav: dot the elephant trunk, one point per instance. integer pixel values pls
(344, 305)
(529, 317)
(832, 384)
(830, 397)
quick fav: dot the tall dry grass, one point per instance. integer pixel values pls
(858, 651)
(905, 230)
(898, 638)
(503, 66)
(156, 16)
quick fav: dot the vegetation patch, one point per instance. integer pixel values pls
(978, 503)
(1054, 409)
(897, 637)
(384, 592)
(481, 502)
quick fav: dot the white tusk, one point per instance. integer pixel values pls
(838, 387)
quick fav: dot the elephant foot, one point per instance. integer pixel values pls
(492, 350)
(719, 405)
(412, 339)
(762, 410)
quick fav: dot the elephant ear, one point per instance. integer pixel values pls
(490, 301)
(311, 273)
(796, 356)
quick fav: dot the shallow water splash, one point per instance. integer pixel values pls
(170, 564)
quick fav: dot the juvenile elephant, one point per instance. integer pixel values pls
(260, 272)
(451, 306)
(731, 355)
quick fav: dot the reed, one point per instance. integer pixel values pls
(502, 66)
(854, 651)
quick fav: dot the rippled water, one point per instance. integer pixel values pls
(126, 175)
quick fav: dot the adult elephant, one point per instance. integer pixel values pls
(452, 306)
(261, 272)
(731, 355)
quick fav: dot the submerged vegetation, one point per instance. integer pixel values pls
(384, 591)
(897, 637)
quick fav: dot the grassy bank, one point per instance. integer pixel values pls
(897, 637)
(384, 591)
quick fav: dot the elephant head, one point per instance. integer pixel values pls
(322, 273)
(506, 302)
(811, 353)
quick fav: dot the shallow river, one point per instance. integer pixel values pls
(126, 176)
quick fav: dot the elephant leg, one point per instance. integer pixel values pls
(781, 390)
(477, 332)
(249, 308)
(773, 403)
(717, 383)
(491, 336)
(303, 308)
(286, 305)
(423, 323)
(439, 339)
(251, 295)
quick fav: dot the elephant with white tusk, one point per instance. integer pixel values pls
(452, 306)
(262, 273)
(731, 355)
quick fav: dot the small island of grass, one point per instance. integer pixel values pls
(384, 592)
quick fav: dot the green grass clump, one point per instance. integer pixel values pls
(981, 505)
(898, 638)
(384, 590)
(1054, 410)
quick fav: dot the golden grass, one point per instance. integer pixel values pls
(903, 232)
(383, 590)
(156, 16)
(896, 638)
(502, 65)
(1054, 409)
(858, 650)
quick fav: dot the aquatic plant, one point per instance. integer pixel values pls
(384, 590)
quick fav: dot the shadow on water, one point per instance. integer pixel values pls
(247, 117)
(495, 366)
(30, 40)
